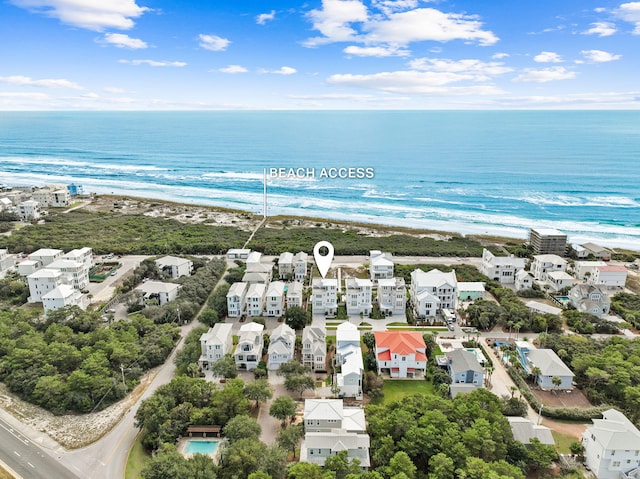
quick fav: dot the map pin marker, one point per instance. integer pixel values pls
(323, 262)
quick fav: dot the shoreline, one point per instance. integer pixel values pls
(244, 219)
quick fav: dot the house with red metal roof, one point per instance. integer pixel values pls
(401, 354)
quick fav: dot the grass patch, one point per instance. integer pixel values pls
(563, 441)
(395, 389)
(137, 460)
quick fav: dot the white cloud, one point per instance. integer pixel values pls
(122, 40)
(281, 71)
(334, 20)
(90, 14)
(414, 82)
(599, 56)
(476, 69)
(602, 29)
(391, 6)
(154, 63)
(265, 17)
(630, 12)
(547, 57)
(428, 24)
(499, 56)
(213, 42)
(45, 82)
(381, 51)
(233, 69)
(111, 89)
(24, 95)
(545, 75)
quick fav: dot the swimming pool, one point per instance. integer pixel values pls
(201, 447)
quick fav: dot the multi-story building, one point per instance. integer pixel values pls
(248, 352)
(585, 269)
(46, 256)
(159, 291)
(314, 348)
(274, 299)
(215, 344)
(614, 276)
(392, 296)
(7, 261)
(545, 263)
(42, 282)
(330, 428)
(282, 344)
(612, 447)
(174, 266)
(324, 293)
(501, 268)
(300, 261)
(348, 358)
(255, 299)
(75, 273)
(401, 354)
(523, 280)
(380, 265)
(598, 252)
(548, 241)
(295, 294)
(236, 300)
(60, 297)
(588, 298)
(358, 295)
(29, 210)
(432, 291)
(466, 372)
(285, 265)
(81, 255)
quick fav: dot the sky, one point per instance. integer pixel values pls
(319, 54)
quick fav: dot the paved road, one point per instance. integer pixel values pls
(107, 457)
(28, 459)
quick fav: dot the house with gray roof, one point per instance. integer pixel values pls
(588, 298)
(281, 346)
(550, 366)
(330, 427)
(524, 430)
(466, 372)
(314, 348)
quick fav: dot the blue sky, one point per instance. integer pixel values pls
(319, 54)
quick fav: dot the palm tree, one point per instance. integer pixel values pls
(489, 369)
(536, 372)
(557, 381)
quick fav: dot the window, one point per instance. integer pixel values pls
(615, 464)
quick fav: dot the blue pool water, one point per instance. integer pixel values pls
(201, 447)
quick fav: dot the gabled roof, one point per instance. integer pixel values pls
(218, 334)
(347, 332)
(356, 283)
(171, 261)
(46, 252)
(155, 287)
(549, 363)
(615, 431)
(256, 289)
(237, 289)
(45, 273)
(294, 289)
(63, 291)
(300, 256)
(524, 430)
(400, 342)
(433, 278)
(276, 289)
(612, 269)
(285, 258)
(549, 258)
(313, 334)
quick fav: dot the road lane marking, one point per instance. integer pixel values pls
(31, 465)
(16, 453)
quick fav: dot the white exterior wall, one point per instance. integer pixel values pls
(542, 264)
(325, 296)
(236, 302)
(274, 300)
(392, 296)
(501, 268)
(604, 276)
(42, 282)
(358, 292)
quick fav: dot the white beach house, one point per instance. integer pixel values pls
(215, 344)
(358, 295)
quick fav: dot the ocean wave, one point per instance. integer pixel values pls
(56, 162)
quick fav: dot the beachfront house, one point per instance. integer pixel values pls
(282, 343)
(432, 291)
(56, 196)
(175, 267)
(598, 252)
(523, 280)
(612, 447)
(300, 261)
(545, 263)
(348, 358)
(501, 268)
(248, 352)
(314, 348)
(274, 300)
(578, 251)
(380, 265)
(324, 293)
(401, 354)
(392, 296)
(215, 344)
(236, 300)
(466, 372)
(590, 299)
(614, 276)
(255, 299)
(42, 282)
(158, 291)
(358, 295)
(81, 255)
(285, 265)
(294, 294)
(330, 428)
(60, 297)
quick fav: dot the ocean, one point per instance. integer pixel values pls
(479, 172)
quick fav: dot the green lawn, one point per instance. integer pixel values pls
(563, 441)
(137, 460)
(395, 389)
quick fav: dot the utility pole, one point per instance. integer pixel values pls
(124, 384)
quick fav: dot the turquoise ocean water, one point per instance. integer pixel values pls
(496, 172)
